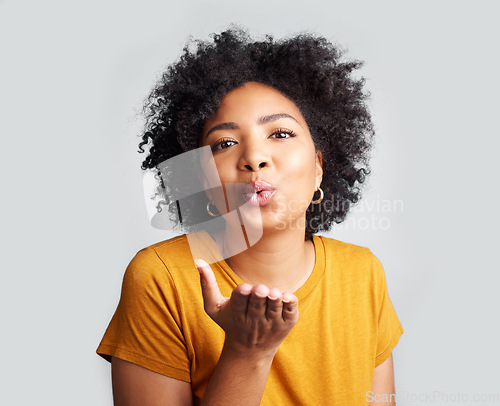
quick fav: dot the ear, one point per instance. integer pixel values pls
(319, 168)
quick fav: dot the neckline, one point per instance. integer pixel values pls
(302, 292)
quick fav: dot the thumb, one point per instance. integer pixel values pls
(212, 298)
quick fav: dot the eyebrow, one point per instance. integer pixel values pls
(260, 121)
(274, 117)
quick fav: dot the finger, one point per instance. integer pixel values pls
(257, 302)
(290, 307)
(274, 307)
(212, 298)
(239, 298)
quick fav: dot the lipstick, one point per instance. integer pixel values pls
(258, 193)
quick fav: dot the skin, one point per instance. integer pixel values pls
(251, 139)
(281, 152)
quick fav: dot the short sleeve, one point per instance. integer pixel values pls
(146, 328)
(389, 328)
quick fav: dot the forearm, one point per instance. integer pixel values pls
(256, 320)
(238, 379)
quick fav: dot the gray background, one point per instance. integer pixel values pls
(73, 77)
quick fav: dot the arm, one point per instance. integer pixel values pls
(383, 392)
(238, 379)
(256, 320)
(134, 385)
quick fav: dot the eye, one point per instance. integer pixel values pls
(223, 144)
(282, 133)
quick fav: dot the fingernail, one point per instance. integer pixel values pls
(260, 295)
(200, 263)
(272, 297)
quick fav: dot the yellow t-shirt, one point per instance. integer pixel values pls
(347, 324)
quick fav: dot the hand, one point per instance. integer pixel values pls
(255, 318)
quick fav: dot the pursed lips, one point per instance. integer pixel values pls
(259, 192)
(258, 186)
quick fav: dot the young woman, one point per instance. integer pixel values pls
(293, 318)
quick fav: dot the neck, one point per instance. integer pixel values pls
(280, 259)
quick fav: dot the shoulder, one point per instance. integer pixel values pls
(172, 250)
(357, 274)
(343, 251)
(353, 262)
(158, 260)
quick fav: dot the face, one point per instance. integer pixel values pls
(260, 139)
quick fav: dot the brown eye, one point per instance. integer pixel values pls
(282, 134)
(223, 144)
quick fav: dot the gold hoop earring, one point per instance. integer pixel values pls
(321, 196)
(208, 209)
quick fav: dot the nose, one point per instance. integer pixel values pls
(257, 167)
(254, 157)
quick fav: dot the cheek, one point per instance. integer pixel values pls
(300, 165)
(230, 195)
(224, 171)
(300, 183)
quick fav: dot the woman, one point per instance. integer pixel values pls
(286, 123)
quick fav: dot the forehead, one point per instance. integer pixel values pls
(253, 100)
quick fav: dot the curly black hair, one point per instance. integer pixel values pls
(307, 69)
